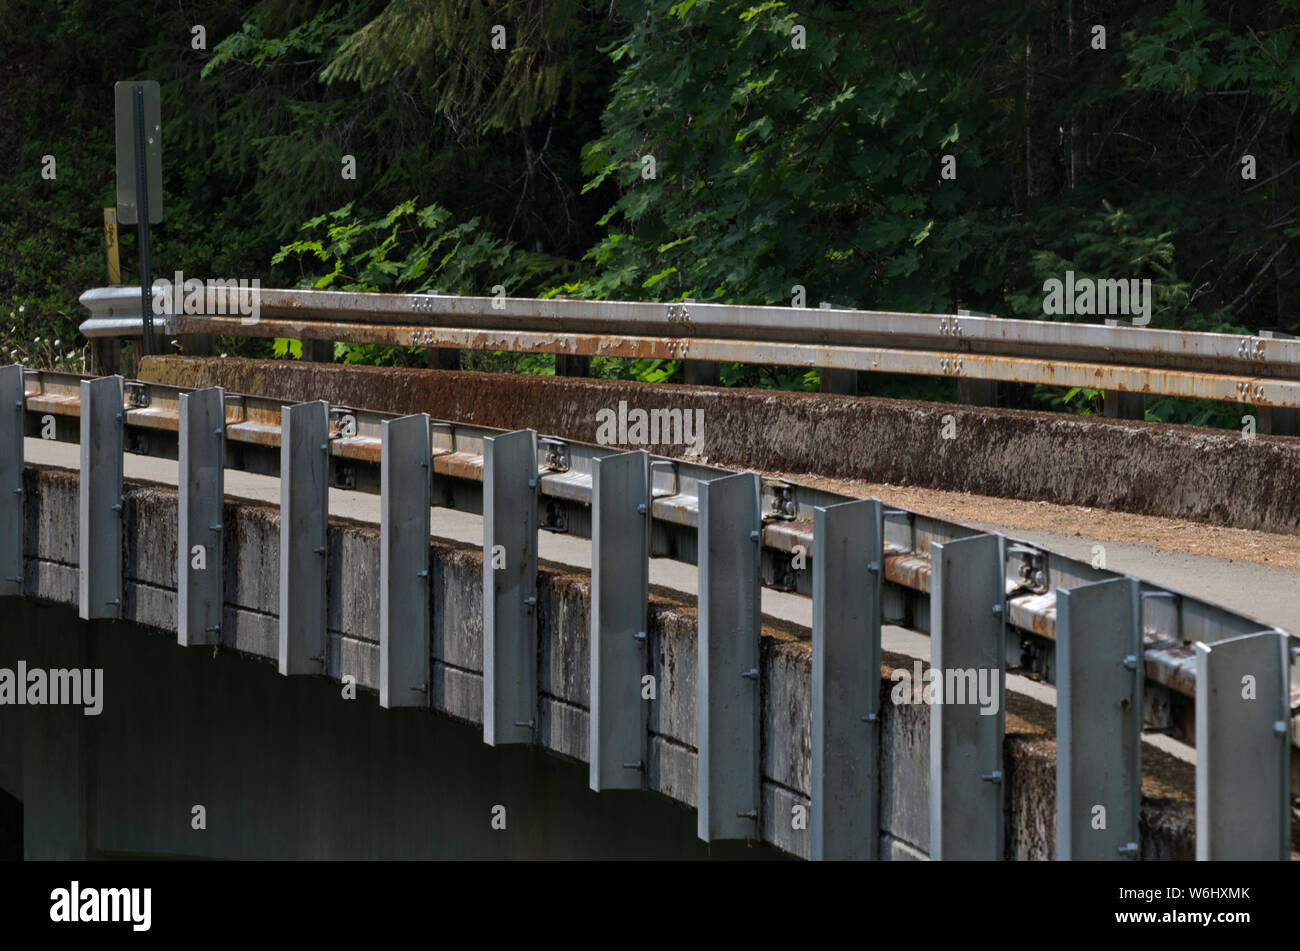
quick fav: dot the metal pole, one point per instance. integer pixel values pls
(142, 210)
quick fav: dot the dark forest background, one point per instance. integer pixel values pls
(792, 144)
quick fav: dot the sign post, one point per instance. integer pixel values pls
(138, 127)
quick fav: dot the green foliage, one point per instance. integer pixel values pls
(774, 166)
(492, 67)
(1189, 49)
(410, 251)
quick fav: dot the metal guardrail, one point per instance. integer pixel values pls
(1125, 654)
(1261, 371)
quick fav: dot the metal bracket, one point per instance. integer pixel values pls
(336, 420)
(966, 808)
(11, 480)
(1176, 602)
(1243, 759)
(557, 453)
(728, 707)
(436, 424)
(404, 653)
(510, 593)
(671, 466)
(1099, 706)
(1032, 570)
(200, 595)
(99, 567)
(237, 401)
(783, 506)
(304, 536)
(620, 585)
(137, 394)
(845, 681)
(36, 375)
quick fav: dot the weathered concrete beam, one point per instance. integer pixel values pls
(1213, 476)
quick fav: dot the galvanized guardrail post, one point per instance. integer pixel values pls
(200, 563)
(1098, 720)
(1243, 748)
(620, 588)
(848, 566)
(510, 588)
(728, 667)
(11, 480)
(967, 647)
(99, 547)
(304, 536)
(404, 475)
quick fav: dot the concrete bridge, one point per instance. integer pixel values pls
(327, 699)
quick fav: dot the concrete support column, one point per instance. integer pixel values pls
(567, 364)
(198, 345)
(977, 392)
(702, 372)
(843, 382)
(1276, 421)
(318, 351)
(443, 358)
(1117, 405)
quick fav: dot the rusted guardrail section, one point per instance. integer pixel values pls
(1259, 371)
(1121, 651)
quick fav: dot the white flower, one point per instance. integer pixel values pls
(57, 342)
(21, 308)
